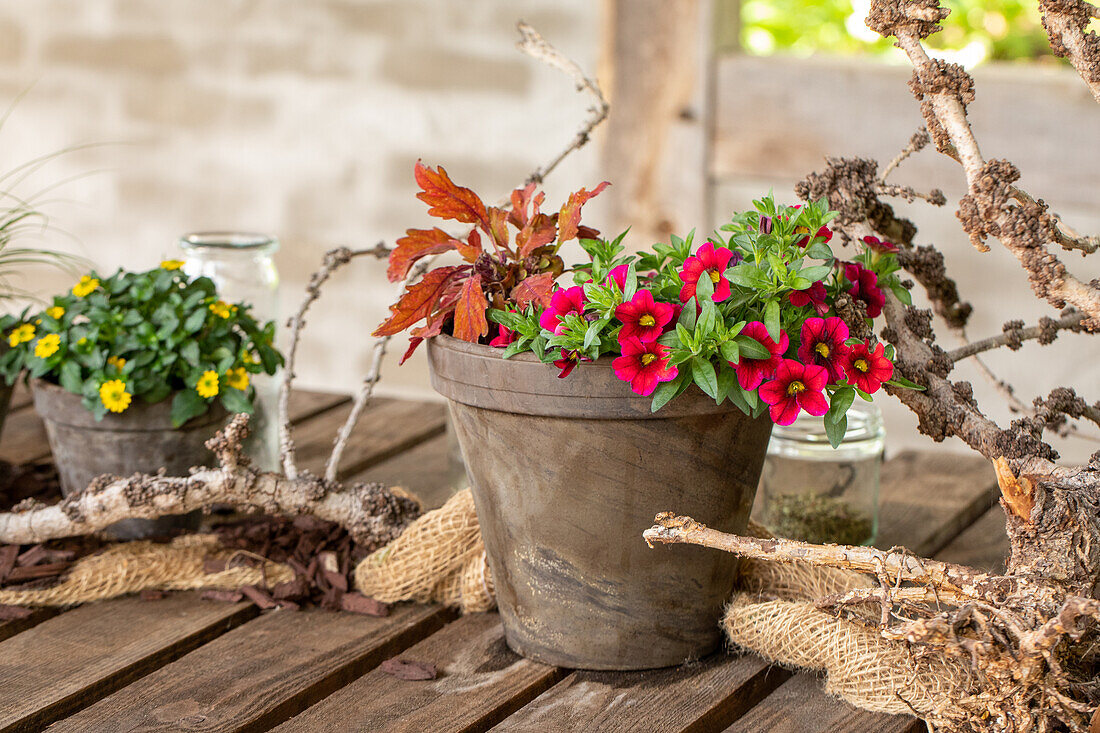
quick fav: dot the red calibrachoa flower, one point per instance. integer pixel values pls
(796, 387)
(814, 295)
(823, 345)
(879, 246)
(865, 287)
(711, 261)
(823, 233)
(504, 337)
(867, 369)
(569, 360)
(618, 274)
(644, 365)
(643, 318)
(751, 372)
(562, 303)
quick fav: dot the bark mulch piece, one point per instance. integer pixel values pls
(223, 596)
(11, 613)
(149, 594)
(321, 554)
(24, 481)
(409, 669)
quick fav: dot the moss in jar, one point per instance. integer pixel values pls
(818, 518)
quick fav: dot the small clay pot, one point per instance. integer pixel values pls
(139, 440)
(567, 474)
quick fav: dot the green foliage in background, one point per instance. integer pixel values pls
(982, 30)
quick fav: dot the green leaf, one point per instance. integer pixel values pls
(687, 315)
(771, 319)
(665, 392)
(750, 348)
(185, 405)
(195, 321)
(839, 403)
(70, 378)
(900, 381)
(815, 273)
(190, 353)
(631, 282)
(730, 352)
(704, 287)
(727, 382)
(819, 251)
(835, 430)
(236, 401)
(707, 319)
(702, 372)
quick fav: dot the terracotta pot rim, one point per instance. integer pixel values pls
(478, 375)
(58, 405)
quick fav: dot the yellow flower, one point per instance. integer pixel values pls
(237, 378)
(21, 335)
(81, 341)
(117, 362)
(47, 346)
(114, 396)
(248, 358)
(221, 309)
(208, 384)
(55, 312)
(171, 264)
(86, 285)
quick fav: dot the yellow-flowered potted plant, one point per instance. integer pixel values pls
(134, 372)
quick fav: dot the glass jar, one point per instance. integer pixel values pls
(809, 491)
(242, 266)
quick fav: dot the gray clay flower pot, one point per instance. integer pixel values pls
(139, 440)
(566, 475)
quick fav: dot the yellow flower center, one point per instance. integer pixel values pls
(823, 349)
(647, 359)
(795, 387)
(862, 365)
(647, 320)
(715, 276)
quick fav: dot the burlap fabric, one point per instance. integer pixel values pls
(132, 567)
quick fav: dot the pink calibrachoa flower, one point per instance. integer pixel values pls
(867, 369)
(796, 387)
(644, 365)
(567, 362)
(562, 303)
(865, 287)
(814, 295)
(643, 318)
(710, 261)
(618, 274)
(504, 337)
(822, 345)
(751, 372)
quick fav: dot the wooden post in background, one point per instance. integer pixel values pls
(656, 71)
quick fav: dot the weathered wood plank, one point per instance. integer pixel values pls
(68, 662)
(701, 696)
(424, 471)
(20, 396)
(480, 683)
(386, 428)
(9, 629)
(928, 497)
(259, 674)
(799, 706)
(982, 545)
(307, 403)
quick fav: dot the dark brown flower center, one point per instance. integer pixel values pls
(715, 276)
(647, 320)
(795, 387)
(823, 349)
(648, 358)
(862, 365)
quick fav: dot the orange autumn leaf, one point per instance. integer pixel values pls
(419, 300)
(415, 244)
(471, 248)
(498, 227)
(570, 216)
(540, 230)
(447, 200)
(534, 289)
(470, 322)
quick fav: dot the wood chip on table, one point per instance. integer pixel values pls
(36, 572)
(11, 613)
(359, 603)
(408, 669)
(8, 556)
(258, 596)
(223, 596)
(151, 594)
(32, 556)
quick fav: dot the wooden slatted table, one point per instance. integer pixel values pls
(183, 664)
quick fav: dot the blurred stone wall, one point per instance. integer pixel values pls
(300, 119)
